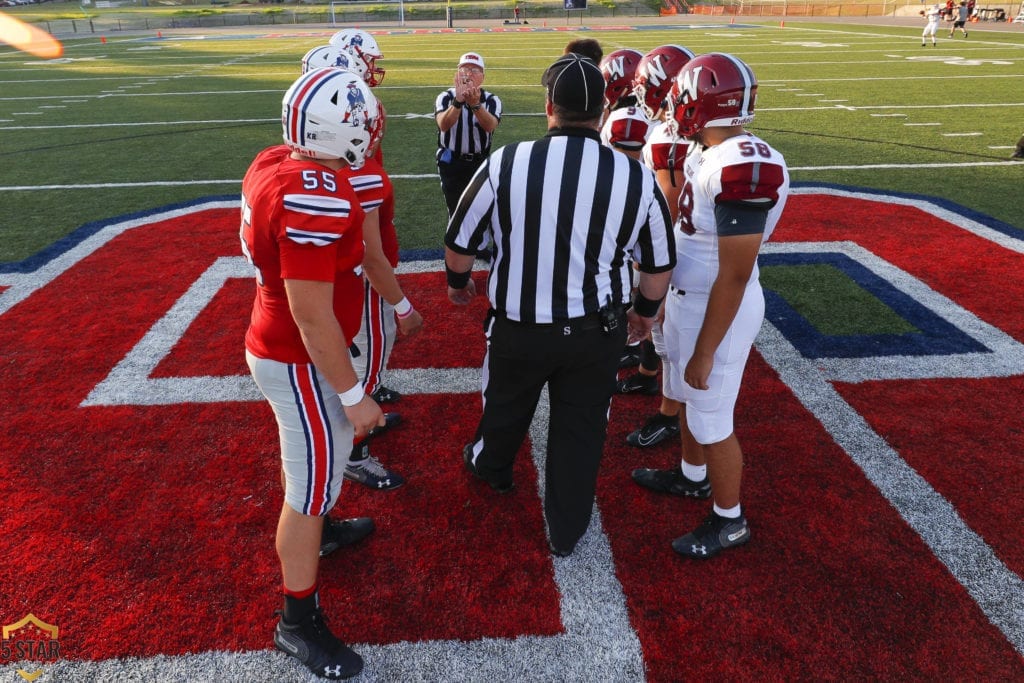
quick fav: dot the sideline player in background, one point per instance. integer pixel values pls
(931, 27)
(301, 231)
(960, 21)
(733, 194)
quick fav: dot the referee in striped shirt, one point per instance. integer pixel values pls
(466, 116)
(567, 216)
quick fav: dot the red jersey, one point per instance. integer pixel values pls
(300, 221)
(375, 192)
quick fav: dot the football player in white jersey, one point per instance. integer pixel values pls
(932, 16)
(663, 153)
(625, 127)
(734, 190)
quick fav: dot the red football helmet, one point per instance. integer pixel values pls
(618, 68)
(712, 90)
(655, 74)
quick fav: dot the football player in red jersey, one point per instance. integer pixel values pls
(734, 190)
(301, 231)
(383, 299)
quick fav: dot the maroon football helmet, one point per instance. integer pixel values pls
(655, 74)
(712, 90)
(618, 68)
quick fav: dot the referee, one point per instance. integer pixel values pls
(466, 116)
(567, 216)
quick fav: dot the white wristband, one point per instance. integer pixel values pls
(353, 396)
(403, 308)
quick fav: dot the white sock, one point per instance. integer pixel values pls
(731, 513)
(695, 472)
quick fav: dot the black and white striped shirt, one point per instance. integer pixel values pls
(466, 136)
(567, 217)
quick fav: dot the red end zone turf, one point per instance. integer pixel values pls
(134, 527)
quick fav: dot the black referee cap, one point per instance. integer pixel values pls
(576, 84)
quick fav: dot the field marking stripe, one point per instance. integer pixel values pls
(968, 557)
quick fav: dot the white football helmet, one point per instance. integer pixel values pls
(364, 48)
(330, 114)
(329, 55)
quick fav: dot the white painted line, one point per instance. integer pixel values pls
(52, 106)
(173, 183)
(922, 124)
(810, 94)
(26, 113)
(868, 167)
(961, 135)
(141, 123)
(887, 116)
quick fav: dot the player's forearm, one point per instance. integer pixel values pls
(312, 308)
(382, 278)
(328, 349)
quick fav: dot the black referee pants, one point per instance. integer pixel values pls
(578, 361)
(455, 176)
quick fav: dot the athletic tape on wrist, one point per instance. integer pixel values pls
(353, 396)
(403, 309)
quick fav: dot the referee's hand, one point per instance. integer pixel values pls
(462, 296)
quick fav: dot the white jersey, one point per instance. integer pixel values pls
(932, 14)
(748, 182)
(664, 150)
(626, 128)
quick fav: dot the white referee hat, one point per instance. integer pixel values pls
(471, 58)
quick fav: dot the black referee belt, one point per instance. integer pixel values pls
(586, 323)
(471, 158)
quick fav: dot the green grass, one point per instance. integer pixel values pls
(817, 292)
(197, 111)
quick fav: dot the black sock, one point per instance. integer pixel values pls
(360, 451)
(298, 606)
(649, 358)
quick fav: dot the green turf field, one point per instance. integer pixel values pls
(139, 122)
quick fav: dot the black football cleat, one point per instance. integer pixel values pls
(384, 395)
(715, 534)
(657, 429)
(673, 482)
(343, 532)
(638, 383)
(313, 644)
(390, 420)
